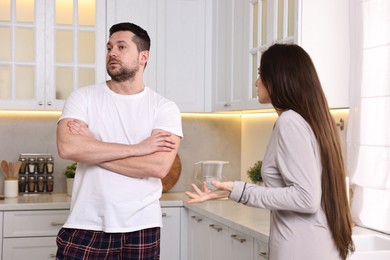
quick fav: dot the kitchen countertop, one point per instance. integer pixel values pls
(62, 201)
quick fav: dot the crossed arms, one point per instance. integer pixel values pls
(153, 157)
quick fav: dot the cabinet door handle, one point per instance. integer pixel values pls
(198, 219)
(215, 227)
(227, 105)
(52, 255)
(164, 215)
(55, 224)
(263, 253)
(240, 239)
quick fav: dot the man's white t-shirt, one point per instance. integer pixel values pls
(103, 200)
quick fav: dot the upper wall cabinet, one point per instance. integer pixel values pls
(243, 30)
(324, 33)
(178, 32)
(49, 48)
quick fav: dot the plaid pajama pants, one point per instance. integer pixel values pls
(76, 244)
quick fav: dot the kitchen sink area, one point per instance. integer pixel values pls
(370, 244)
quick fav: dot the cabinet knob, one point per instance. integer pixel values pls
(227, 105)
(164, 215)
(40, 103)
(49, 103)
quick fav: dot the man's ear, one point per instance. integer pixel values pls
(144, 57)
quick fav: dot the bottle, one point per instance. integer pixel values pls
(49, 165)
(40, 184)
(32, 163)
(22, 183)
(31, 184)
(41, 165)
(22, 169)
(49, 183)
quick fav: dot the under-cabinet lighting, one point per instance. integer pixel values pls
(47, 114)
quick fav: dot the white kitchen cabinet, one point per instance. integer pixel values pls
(1, 233)
(49, 48)
(31, 234)
(178, 61)
(260, 251)
(232, 86)
(199, 246)
(171, 237)
(306, 23)
(209, 239)
(42, 248)
(327, 42)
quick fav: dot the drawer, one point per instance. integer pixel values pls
(42, 248)
(33, 223)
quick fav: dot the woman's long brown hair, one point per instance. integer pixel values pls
(290, 77)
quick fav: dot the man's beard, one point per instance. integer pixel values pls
(123, 74)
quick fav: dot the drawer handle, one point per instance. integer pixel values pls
(198, 219)
(240, 239)
(52, 255)
(215, 227)
(55, 224)
(263, 253)
(164, 215)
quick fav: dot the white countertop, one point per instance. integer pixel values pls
(62, 201)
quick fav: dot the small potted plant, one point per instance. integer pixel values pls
(69, 174)
(254, 173)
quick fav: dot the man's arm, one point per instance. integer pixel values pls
(76, 142)
(155, 165)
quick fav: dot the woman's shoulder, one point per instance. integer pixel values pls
(291, 120)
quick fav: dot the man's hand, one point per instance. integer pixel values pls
(159, 141)
(79, 127)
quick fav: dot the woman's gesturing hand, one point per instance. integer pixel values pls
(222, 190)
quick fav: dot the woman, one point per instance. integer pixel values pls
(303, 168)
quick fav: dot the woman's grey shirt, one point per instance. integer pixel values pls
(292, 176)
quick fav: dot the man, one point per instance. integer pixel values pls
(124, 137)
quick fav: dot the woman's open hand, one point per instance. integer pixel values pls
(222, 190)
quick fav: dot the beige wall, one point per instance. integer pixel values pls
(238, 138)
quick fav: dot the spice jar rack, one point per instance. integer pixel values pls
(36, 173)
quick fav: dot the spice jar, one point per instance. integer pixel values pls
(31, 184)
(49, 165)
(41, 165)
(23, 164)
(40, 184)
(22, 183)
(49, 183)
(32, 163)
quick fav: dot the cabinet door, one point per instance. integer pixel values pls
(232, 89)
(170, 234)
(219, 241)
(199, 246)
(241, 245)
(65, 50)
(42, 248)
(33, 223)
(260, 250)
(178, 59)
